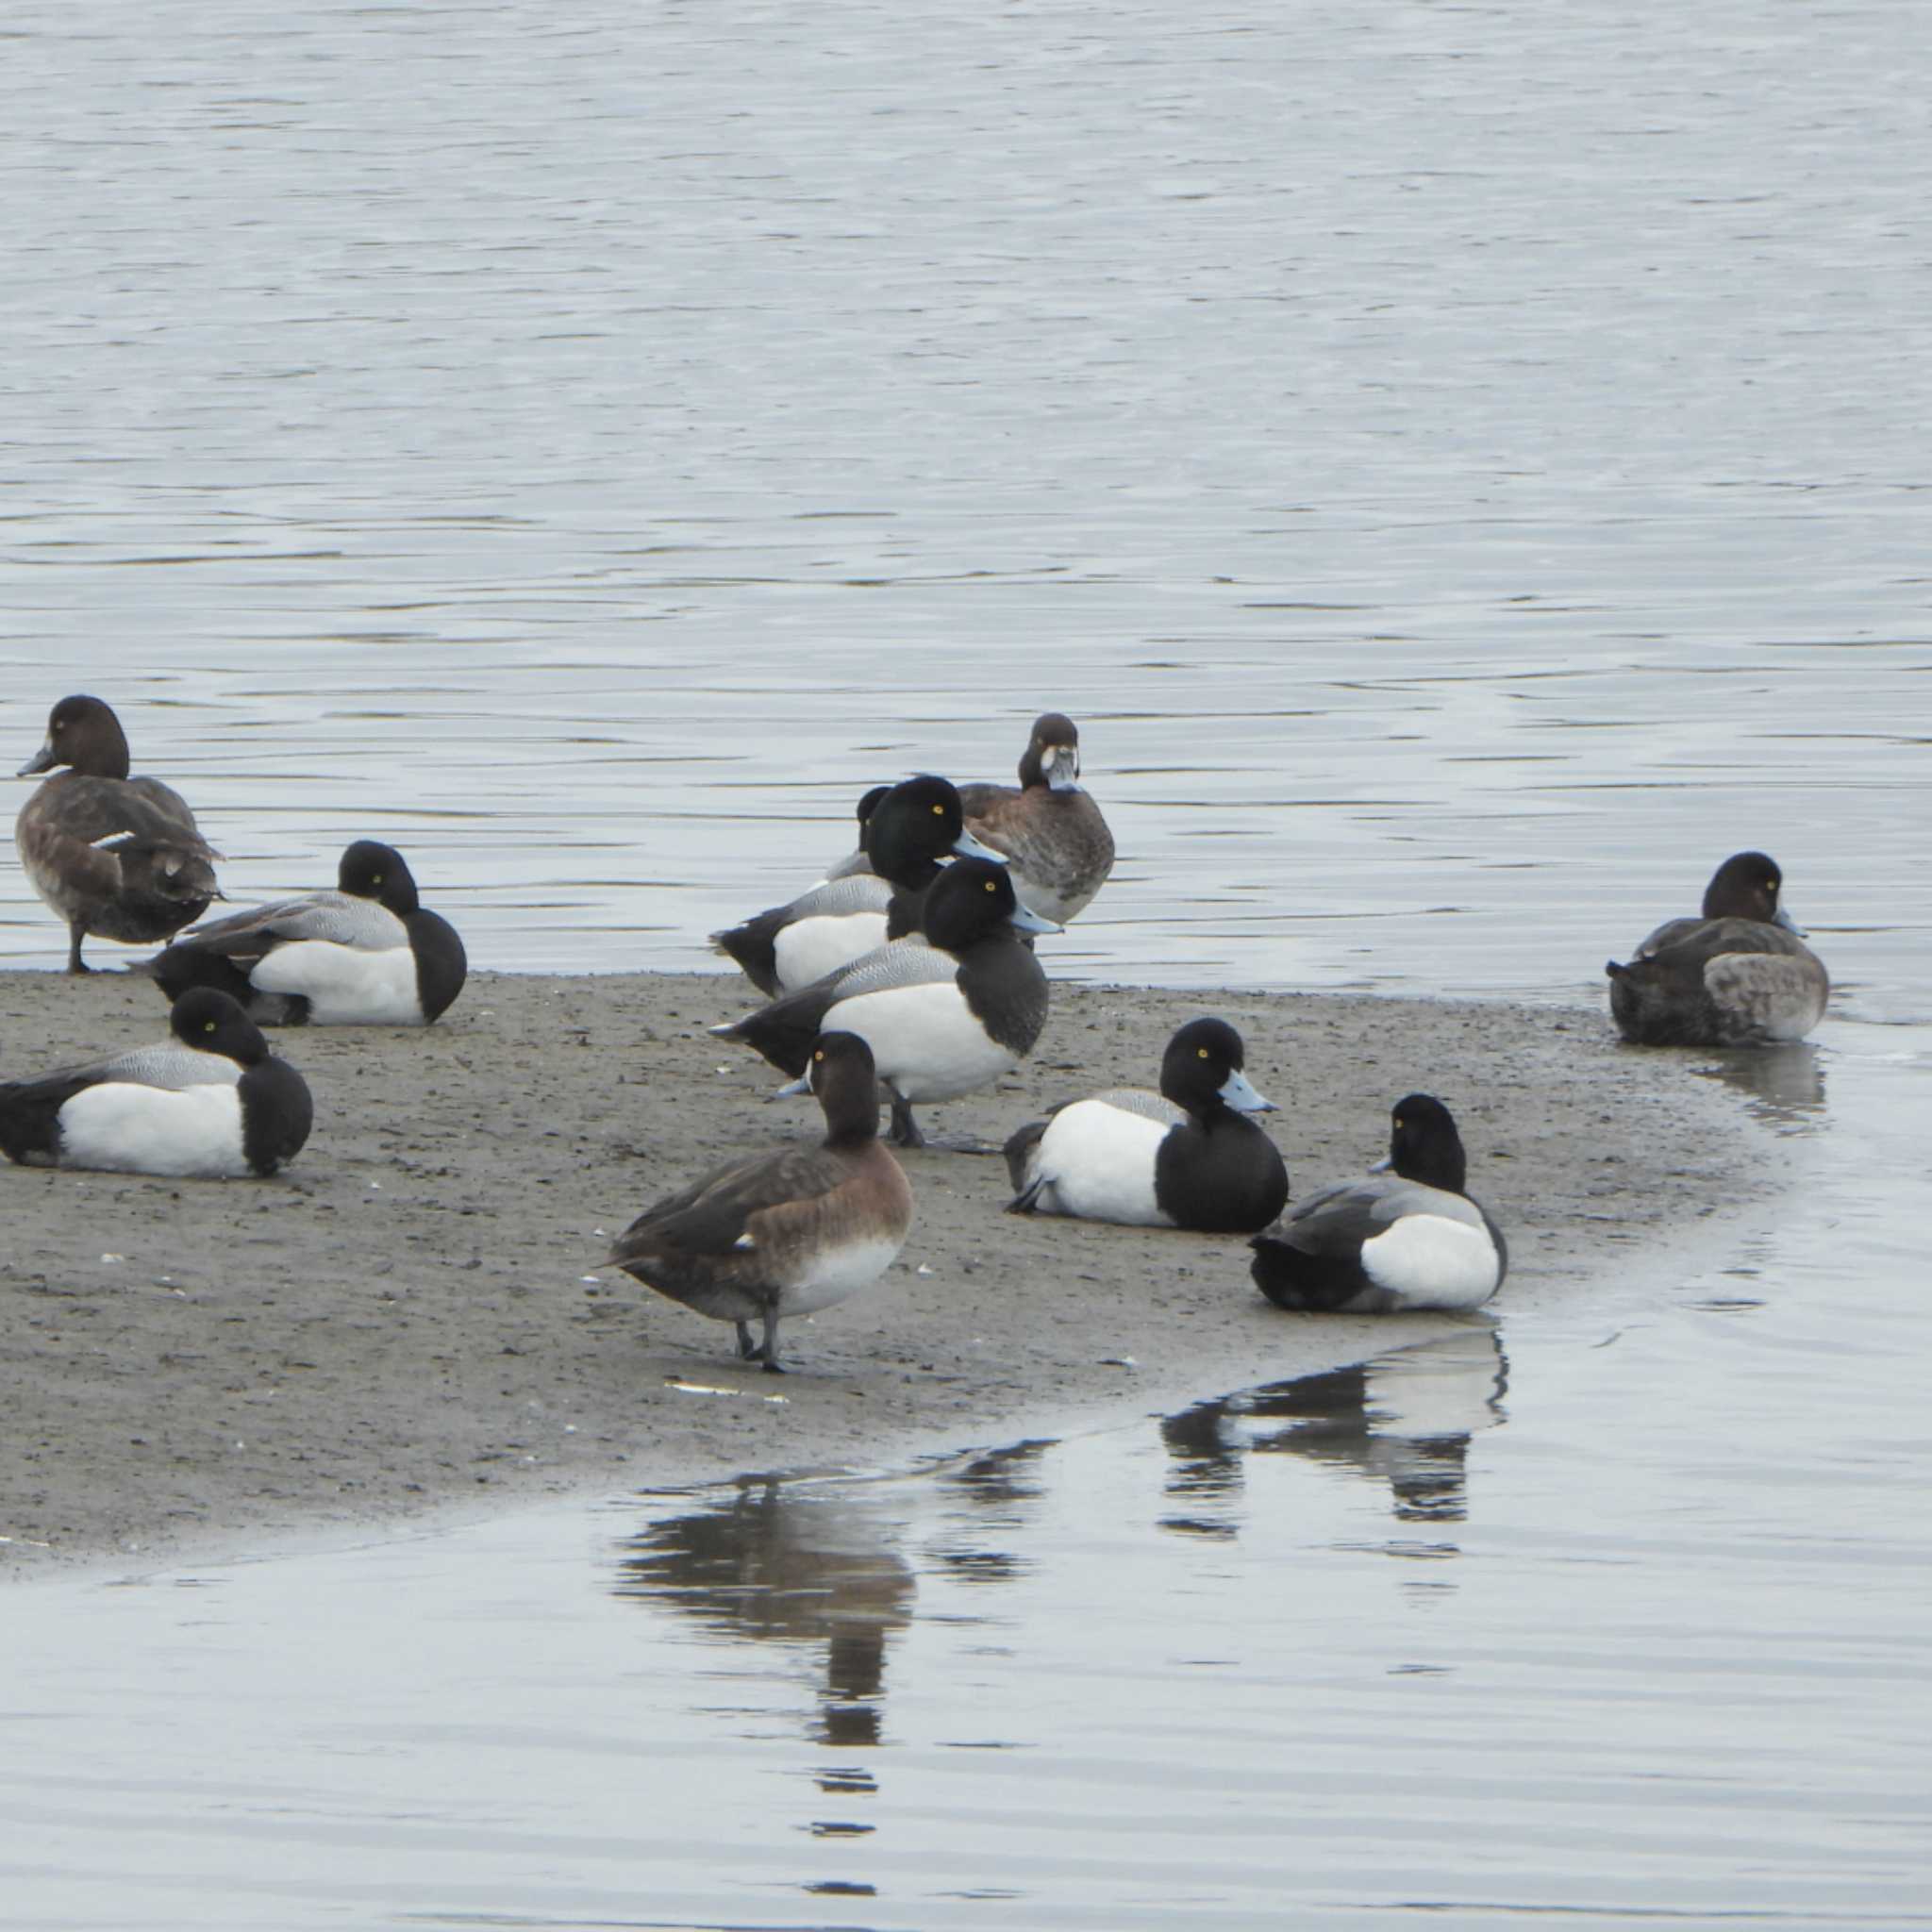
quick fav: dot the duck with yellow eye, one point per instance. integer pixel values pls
(1406, 1236)
(210, 1103)
(911, 829)
(1190, 1155)
(789, 1232)
(368, 954)
(1738, 975)
(945, 1013)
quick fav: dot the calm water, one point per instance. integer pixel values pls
(1463, 468)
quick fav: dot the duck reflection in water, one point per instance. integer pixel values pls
(781, 1565)
(1785, 1084)
(997, 1490)
(1406, 1419)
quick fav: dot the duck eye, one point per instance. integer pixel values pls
(1202, 1051)
(938, 811)
(207, 1026)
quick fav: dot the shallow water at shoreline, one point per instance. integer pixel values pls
(1596, 1612)
(1464, 471)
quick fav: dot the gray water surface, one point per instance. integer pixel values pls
(1464, 468)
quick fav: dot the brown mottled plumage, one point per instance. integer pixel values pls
(1051, 832)
(1740, 975)
(788, 1232)
(110, 855)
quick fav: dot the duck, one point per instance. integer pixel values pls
(788, 1232)
(1186, 1156)
(1050, 830)
(907, 832)
(1403, 1237)
(208, 1103)
(1740, 975)
(859, 858)
(946, 1012)
(118, 857)
(367, 954)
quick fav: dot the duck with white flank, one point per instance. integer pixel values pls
(210, 1102)
(117, 857)
(909, 831)
(788, 1232)
(1740, 975)
(367, 954)
(1186, 1156)
(1390, 1241)
(1050, 830)
(944, 1014)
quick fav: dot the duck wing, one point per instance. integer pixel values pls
(711, 1216)
(340, 919)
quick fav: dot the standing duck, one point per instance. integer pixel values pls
(1049, 830)
(1393, 1241)
(944, 1014)
(113, 856)
(367, 954)
(210, 1102)
(788, 1232)
(1737, 975)
(1186, 1156)
(908, 833)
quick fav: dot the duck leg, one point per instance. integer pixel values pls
(769, 1353)
(77, 932)
(747, 1348)
(905, 1129)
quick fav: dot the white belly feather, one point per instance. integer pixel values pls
(1098, 1163)
(808, 949)
(345, 985)
(130, 1129)
(1431, 1261)
(925, 1041)
(831, 1276)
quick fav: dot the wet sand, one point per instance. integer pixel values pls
(416, 1316)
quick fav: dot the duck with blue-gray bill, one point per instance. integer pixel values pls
(1048, 829)
(946, 1012)
(1738, 975)
(116, 857)
(367, 954)
(913, 828)
(1406, 1236)
(208, 1103)
(789, 1232)
(1187, 1156)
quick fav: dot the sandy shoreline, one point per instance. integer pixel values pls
(402, 1321)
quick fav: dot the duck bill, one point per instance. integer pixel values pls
(42, 761)
(1063, 768)
(1026, 920)
(967, 846)
(1239, 1095)
(801, 1085)
(1384, 1166)
(1784, 919)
